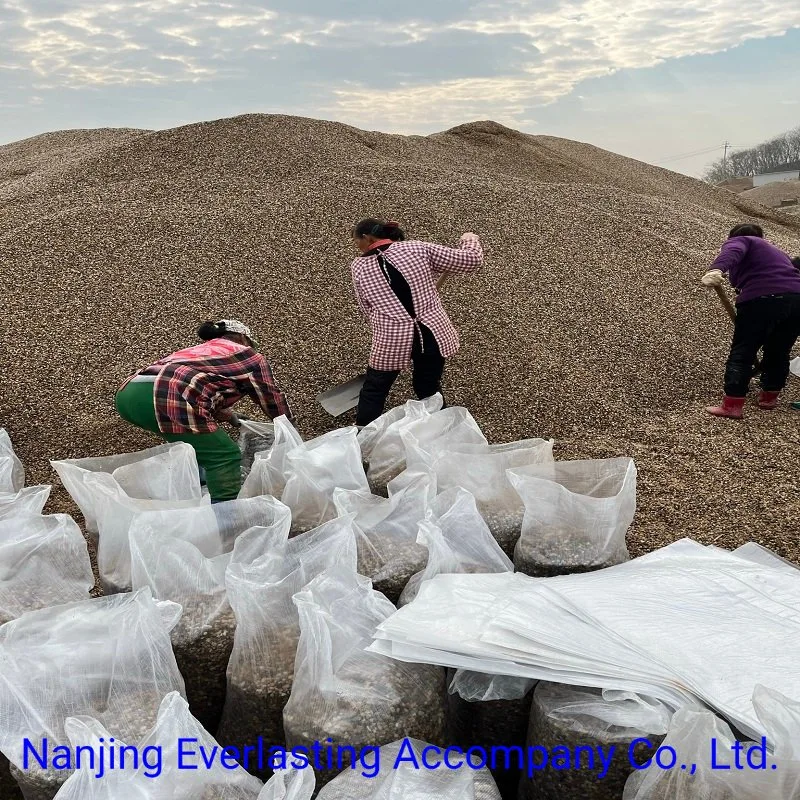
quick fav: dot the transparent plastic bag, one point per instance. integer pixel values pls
(30, 500)
(576, 515)
(388, 550)
(192, 574)
(580, 717)
(168, 473)
(344, 693)
(110, 658)
(254, 438)
(382, 449)
(270, 469)
(261, 667)
(691, 735)
(43, 562)
(401, 780)
(290, 784)
(157, 775)
(316, 469)
(117, 513)
(490, 711)
(457, 540)
(12, 472)
(481, 470)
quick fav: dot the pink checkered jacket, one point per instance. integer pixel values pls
(421, 264)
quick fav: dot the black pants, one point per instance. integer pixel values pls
(771, 322)
(428, 367)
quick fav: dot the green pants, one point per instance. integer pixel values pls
(216, 452)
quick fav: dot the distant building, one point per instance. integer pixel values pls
(785, 172)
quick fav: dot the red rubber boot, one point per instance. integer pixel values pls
(730, 407)
(768, 400)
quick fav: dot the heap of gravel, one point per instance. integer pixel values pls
(772, 194)
(586, 325)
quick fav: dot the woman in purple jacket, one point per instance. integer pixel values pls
(767, 285)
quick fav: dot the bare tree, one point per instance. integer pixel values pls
(773, 153)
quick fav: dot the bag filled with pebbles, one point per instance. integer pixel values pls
(168, 556)
(254, 437)
(399, 779)
(109, 658)
(29, 500)
(342, 692)
(481, 470)
(43, 562)
(164, 474)
(269, 469)
(457, 540)
(290, 784)
(142, 779)
(12, 471)
(574, 717)
(388, 551)
(382, 448)
(576, 515)
(261, 666)
(316, 469)
(690, 735)
(490, 711)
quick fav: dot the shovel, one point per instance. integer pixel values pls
(344, 397)
(725, 300)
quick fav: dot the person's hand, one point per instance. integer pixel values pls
(713, 277)
(469, 235)
(223, 415)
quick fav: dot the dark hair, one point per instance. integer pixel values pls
(380, 229)
(796, 261)
(747, 230)
(213, 330)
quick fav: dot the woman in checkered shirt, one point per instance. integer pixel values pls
(184, 396)
(396, 288)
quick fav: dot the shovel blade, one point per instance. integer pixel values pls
(341, 398)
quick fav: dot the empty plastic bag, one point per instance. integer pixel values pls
(607, 721)
(168, 473)
(481, 470)
(457, 540)
(388, 552)
(261, 667)
(405, 781)
(344, 693)
(109, 658)
(43, 562)
(270, 469)
(157, 773)
(12, 472)
(192, 573)
(576, 515)
(316, 469)
(30, 500)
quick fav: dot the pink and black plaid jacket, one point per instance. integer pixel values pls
(191, 384)
(421, 264)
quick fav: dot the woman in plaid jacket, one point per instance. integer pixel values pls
(395, 286)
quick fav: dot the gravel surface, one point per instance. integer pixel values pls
(772, 194)
(587, 324)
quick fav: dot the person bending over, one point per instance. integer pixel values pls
(767, 285)
(183, 397)
(395, 286)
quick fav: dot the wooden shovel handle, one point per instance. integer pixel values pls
(440, 281)
(725, 300)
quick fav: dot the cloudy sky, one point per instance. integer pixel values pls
(656, 81)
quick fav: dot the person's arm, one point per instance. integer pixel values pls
(266, 392)
(362, 305)
(732, 252)
(466, 258)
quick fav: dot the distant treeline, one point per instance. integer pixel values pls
(768, 155)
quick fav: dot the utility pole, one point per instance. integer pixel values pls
(725, 159)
